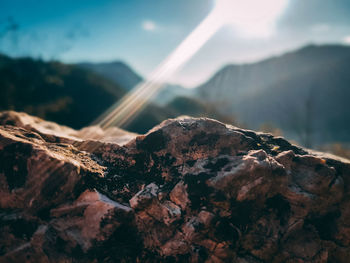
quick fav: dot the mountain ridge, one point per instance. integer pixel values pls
(298, 60)
(252, 91)
(116, 71)
(120, 73)
(75, 96)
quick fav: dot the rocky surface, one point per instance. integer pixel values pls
(35, 124)
(190, 190)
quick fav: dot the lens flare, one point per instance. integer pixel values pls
(249, 10)
(127, 108)
(248, 15)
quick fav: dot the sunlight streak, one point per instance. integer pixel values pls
(254, 18)
(244, 14)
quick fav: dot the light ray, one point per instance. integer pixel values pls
(225, 11)
(137, 99)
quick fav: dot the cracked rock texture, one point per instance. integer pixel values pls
(190, 190)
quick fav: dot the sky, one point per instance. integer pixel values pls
(142, 33)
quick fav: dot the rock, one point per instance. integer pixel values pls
(179, 195)
(143, 198)
(190, 190)
(64, 133)
(92, 218)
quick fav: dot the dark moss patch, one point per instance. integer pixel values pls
(13, 163)
(281, 143)
(201, 252)
(217, 164)
(44, 214)
(244, 213)
(198, 190)
(296, 159)
(24, 229)
(20, 227)
(184, 151)
(284, 145)
(250, 134)
(225, 151)
(225, 231)
(319, 168)
(122, 174)
(325, 225)
(165, 161)
(178, 258)
(280, 206)
(142, 161)
(170, 259)
(123, 246)
(190, 163)
(204, 139)
(153, 142)
(218, 196)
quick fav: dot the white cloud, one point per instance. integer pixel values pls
(346, 40)
(149, 25)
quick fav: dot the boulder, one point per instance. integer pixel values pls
(190, 190)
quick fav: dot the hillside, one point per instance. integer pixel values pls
(55, 91)
(116, 71)
(124, 76)
(74, 96)
(236, 81)
(313, 107)
(193, 107)
(64, 93)
(282, 90)
(181, 105)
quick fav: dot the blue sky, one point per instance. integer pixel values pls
(143, 32)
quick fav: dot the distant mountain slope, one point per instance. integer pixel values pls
(194, 107)
(283, 90)
(63, 93)
(233, 82)
(71, 95)
(122, 75)
(116, 71)
(66, 94)
(313, 106)
(170, 92)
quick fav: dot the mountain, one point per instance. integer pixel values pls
(116, 71)
(122, 75)
(55, 91)
(314, 105)
(170, 92)
(236, 81)
(74, 96)
(305, 93)
(66, 94)
(183, 105)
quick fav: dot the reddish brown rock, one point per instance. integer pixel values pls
(64, 133)
(191, 190)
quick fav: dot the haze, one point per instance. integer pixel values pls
(143, 33)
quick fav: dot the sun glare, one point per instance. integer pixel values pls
(253, 17)
(250, 17)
